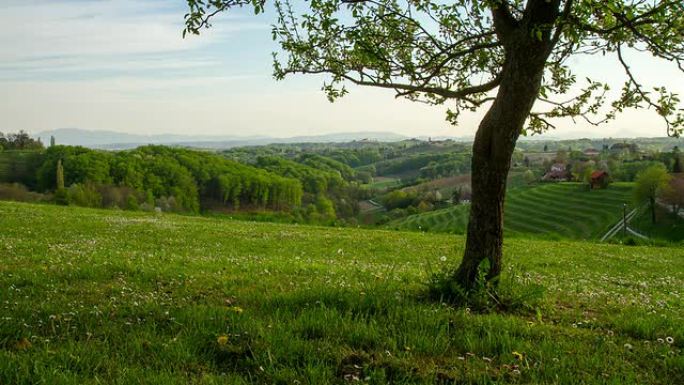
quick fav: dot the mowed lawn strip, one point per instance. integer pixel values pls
(96, 296)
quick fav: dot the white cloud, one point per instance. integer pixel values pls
(99, 35)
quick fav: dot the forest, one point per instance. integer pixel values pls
(172, 179)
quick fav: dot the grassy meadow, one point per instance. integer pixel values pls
(93, 296)
(567, 210)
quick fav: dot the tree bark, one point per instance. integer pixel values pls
(494, 144)
(492, 150)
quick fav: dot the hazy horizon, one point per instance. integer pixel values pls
(123, 66)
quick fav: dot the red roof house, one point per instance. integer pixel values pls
(599, 179)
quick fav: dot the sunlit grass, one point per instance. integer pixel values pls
(90, 296)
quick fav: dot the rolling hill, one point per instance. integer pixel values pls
(114, 140)
(562, 209)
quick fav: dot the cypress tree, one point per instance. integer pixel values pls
(61, 197)
(60, 175)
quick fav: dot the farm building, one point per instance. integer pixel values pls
(558, 173)
(599, 179)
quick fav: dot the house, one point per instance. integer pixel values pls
(599, 179)
(557, 173)
(592, 152)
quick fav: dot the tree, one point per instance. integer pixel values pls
(581, 171)
(59, 182)
(561, 156)
(61, 194)
(649, 184)
(677, 165)
(529, 177)
(52, 141)
(19, 141)
(502, 54)
(674, 195)
(456, 196)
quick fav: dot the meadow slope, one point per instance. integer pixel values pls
(94, 296)
(566, 210)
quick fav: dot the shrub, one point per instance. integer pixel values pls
(61, 197)
(132, 203)
(85, 195)
(18, 192)
(399, 199)
(121, 196)
(168, 204)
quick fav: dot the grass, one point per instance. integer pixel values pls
(93, 296)
(565, 210)
(381, 182)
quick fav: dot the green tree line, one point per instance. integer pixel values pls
(184, 180)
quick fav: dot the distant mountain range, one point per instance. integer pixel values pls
(119, 140)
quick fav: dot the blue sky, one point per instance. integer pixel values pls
(122, 65)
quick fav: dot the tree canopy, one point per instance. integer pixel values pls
(458, 51)
(649, 184)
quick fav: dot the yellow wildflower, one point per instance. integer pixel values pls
(518, 356)
(236, 309)
(222, 340)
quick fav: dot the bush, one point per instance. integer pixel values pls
(399, 199)
(19, 193)
(61, 197)
(325, 208)
(132, 203)
(168, 204)
(84, 195)
(121, 196)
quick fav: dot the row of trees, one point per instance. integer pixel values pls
(453, 164)
(434, 164)
(19, 141)
(331, 188)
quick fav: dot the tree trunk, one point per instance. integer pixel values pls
(653, 210)
(492, 150)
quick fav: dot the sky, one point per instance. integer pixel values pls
(123, 65)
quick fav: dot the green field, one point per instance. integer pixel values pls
(566, 210)
(384, 182)
(113, 297)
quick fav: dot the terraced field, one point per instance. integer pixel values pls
(563, 209)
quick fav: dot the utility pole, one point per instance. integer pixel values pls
(624, 220)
